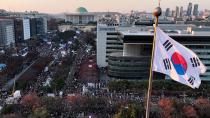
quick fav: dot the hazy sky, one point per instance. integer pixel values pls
(57, 6)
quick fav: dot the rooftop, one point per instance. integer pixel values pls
(171, 30)
(81, 10)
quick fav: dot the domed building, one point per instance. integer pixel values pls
(81, 10)
(81, 16)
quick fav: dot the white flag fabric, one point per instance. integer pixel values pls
(177, 61)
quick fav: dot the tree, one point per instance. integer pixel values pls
(57, 84)
(89, 105)
(189, 111)
(31, 100)
(39, 113)
(167, 107)
(10, 109)
(130, 111)
(57, 107)
(12, 115)
(202, 106)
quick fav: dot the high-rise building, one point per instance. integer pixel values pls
(26, 29)
(22, 29)
(195, 10)
(177, 12)
(189, 9)
(45, 25)
(18, 25)
(167, 14)
(33, 27)
(41, 25)
(107, 42)
(181, 12)
(173, 13)
(38, 26)
(7, 35)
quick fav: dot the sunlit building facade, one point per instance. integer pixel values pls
(126, 51)
(134, 61)
(7, 35)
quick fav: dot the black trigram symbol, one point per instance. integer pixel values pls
(167, 64)
(191, 80)
(168, 45)
(195, 62)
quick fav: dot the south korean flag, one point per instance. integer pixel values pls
(177, 61)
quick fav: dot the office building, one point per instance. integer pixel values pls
(22, 29)
(108, 38)
(167, 13)
(173, 13)
(45, 25)
(134, 61)
(33, 31)
(18, 25)
(26, 29)
(181, 12)
(195, 10)
(106, 42)
(7, 35)
(27, 14)
(41, 26)
(189, 9)
(177, 12)
(38, 26)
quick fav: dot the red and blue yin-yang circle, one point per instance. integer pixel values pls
(179, 63)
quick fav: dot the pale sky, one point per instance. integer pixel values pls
(58, 6)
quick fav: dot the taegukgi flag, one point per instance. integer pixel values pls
(177, 61)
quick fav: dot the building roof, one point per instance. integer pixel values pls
(147, 37)
(81, 10)
(171, 30)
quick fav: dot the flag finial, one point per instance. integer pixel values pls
(157, 12)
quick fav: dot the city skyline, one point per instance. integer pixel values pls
(94, 5)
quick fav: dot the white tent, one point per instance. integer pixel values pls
(17, 94)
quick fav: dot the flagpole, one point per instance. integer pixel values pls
(156, 13)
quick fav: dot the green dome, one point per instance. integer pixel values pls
(81, 10)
